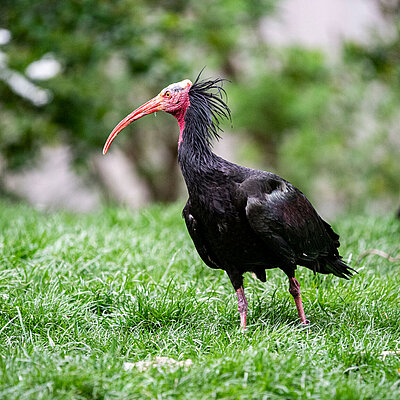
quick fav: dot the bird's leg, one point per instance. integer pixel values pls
(237, 283)
(294, 289)
(242, 306)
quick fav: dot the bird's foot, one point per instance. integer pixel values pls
(305, 326)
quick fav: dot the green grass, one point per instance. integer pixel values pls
(82, 295)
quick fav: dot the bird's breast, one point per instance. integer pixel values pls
(227, 232)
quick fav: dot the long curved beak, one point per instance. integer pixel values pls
(153, 105)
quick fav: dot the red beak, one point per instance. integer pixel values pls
(151, 106)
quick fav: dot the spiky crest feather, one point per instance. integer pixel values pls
(207, 107)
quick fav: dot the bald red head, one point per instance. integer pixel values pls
(174, 99)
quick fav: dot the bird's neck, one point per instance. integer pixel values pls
(180, 117)
(197, 161)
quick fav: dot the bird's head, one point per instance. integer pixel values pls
(174, 99)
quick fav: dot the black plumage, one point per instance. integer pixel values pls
(240, 219)
(246, 220)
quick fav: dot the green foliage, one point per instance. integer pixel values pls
(114, 54)
(314, 123)
(103, 48)
(279, 101)
(303, 115)
(84, 37)
(80, 296)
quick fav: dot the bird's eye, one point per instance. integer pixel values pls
(167, 94)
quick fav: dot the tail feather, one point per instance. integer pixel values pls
(337, 267)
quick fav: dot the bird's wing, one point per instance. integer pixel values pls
(283, 217)
(195, 232)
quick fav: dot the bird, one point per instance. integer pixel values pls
(240, 219)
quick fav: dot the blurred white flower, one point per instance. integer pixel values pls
(45, 68)
(5, 36)
(22, 86)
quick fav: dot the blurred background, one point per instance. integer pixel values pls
(314, 94)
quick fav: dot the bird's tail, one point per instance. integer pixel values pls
(337, 267)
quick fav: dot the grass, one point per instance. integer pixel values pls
(82, 295)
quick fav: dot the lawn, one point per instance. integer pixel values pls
(84, 298)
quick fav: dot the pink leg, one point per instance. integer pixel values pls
(242, 303)
(294, 289)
